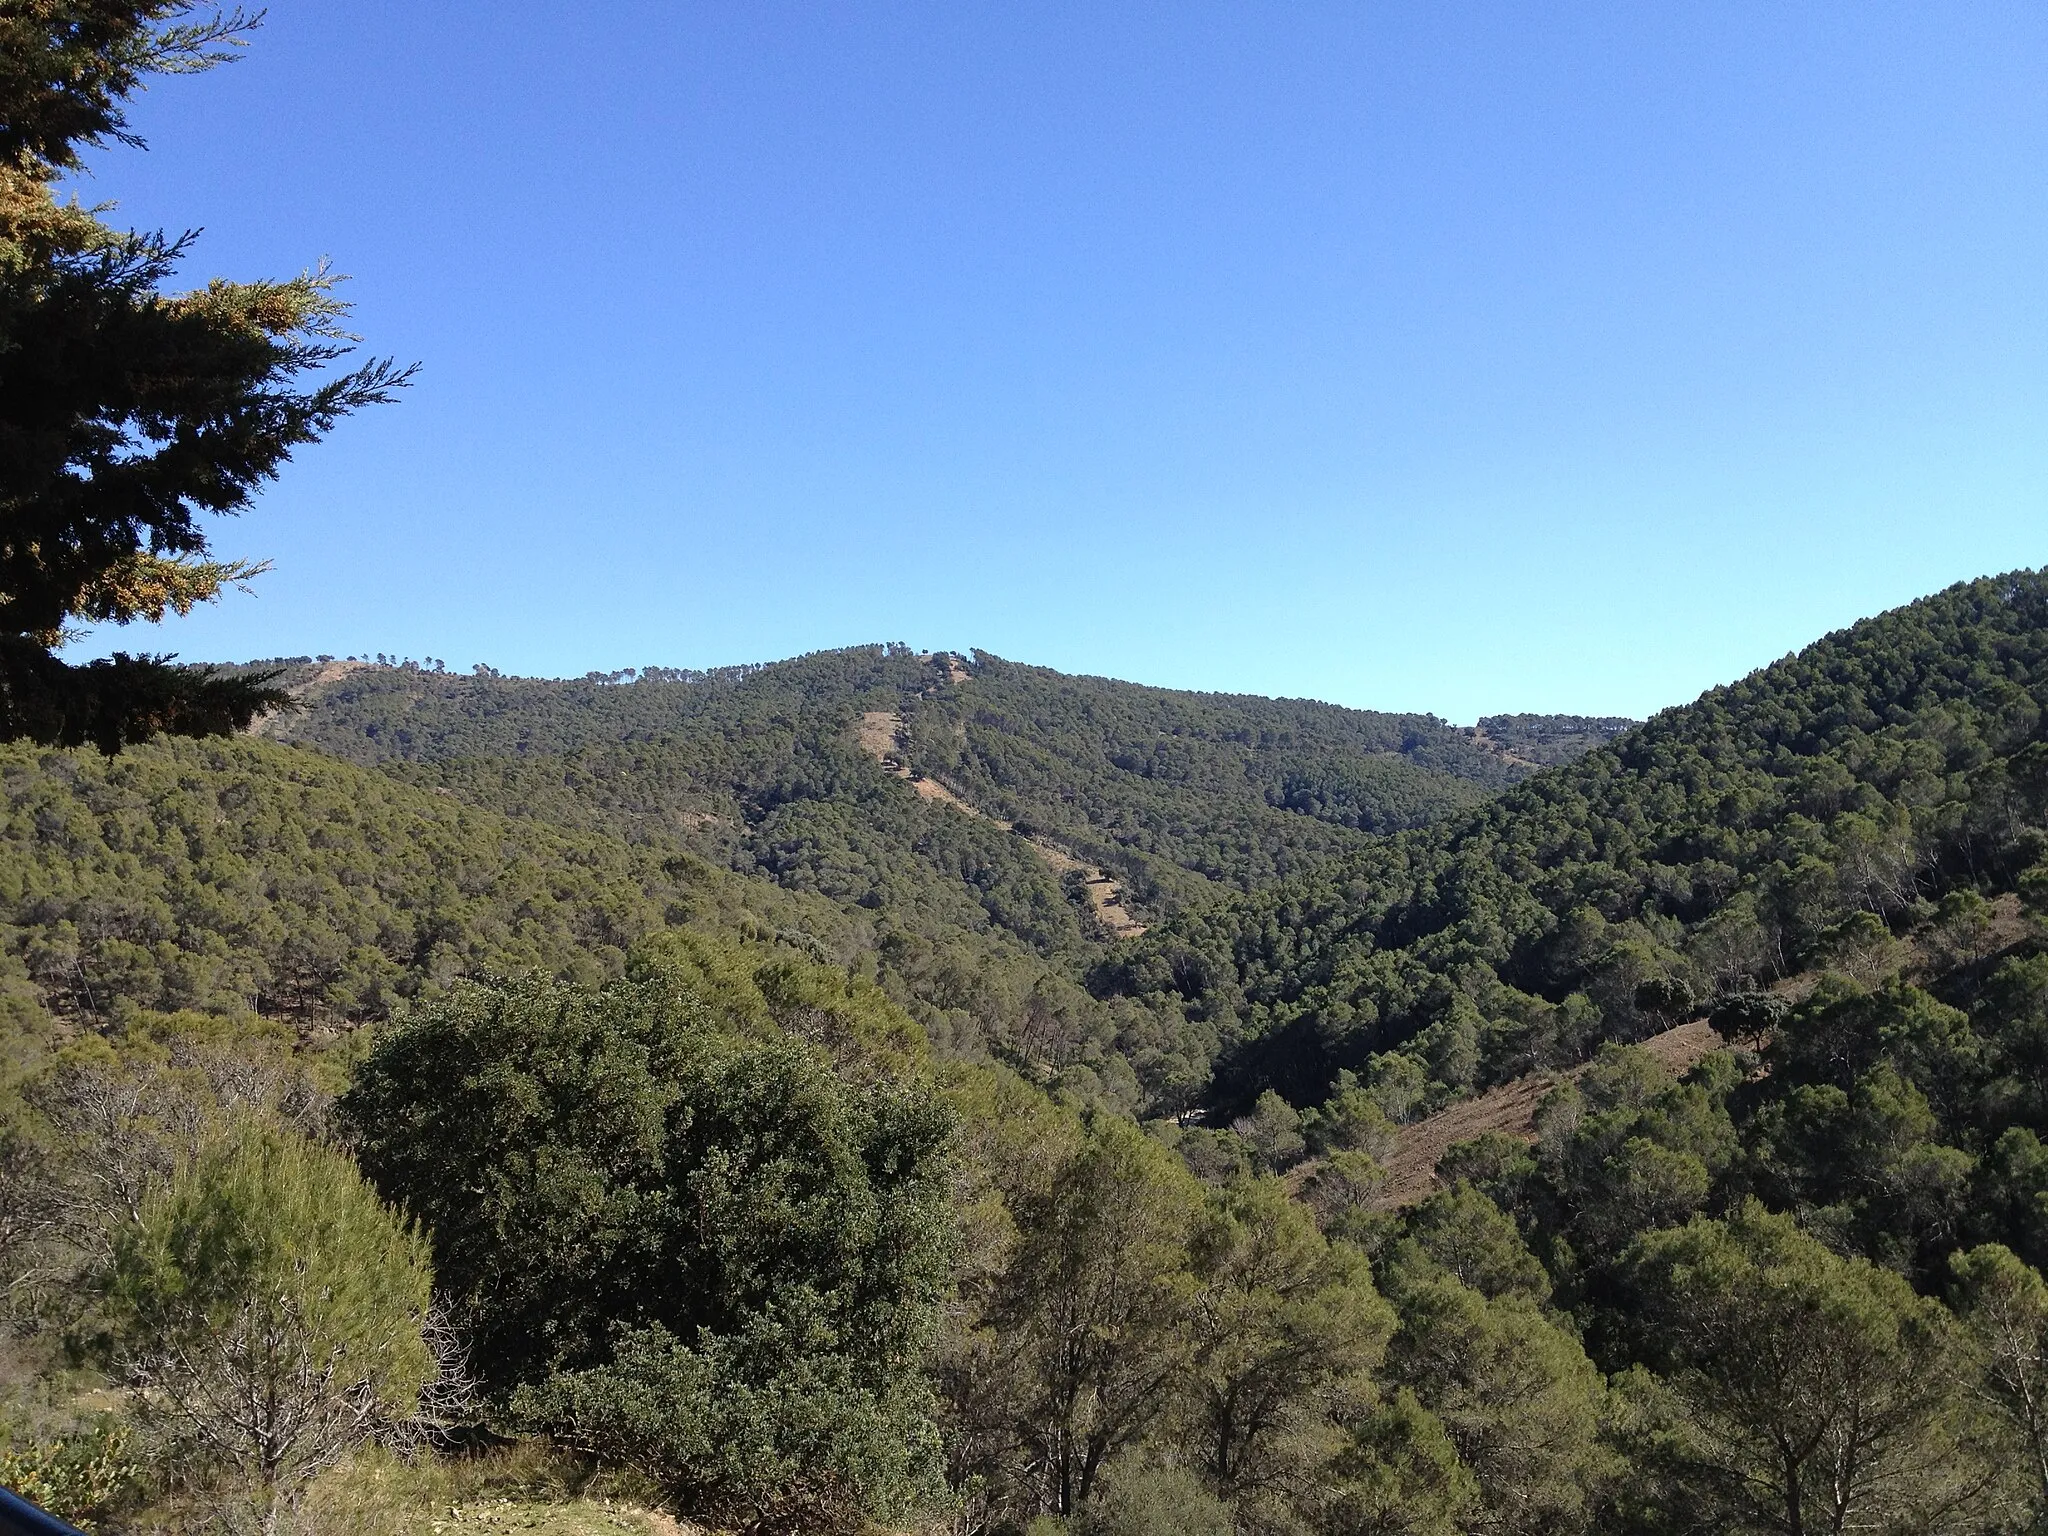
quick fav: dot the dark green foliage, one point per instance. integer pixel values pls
(1903, 1127)
(1093, 1309)
(1800, 816)
(1142, 777)
(1749, 1018)
(65, 70)
(769, 1430)
(1622, 1151)
(244, 877)
(128, 412)
(110, 703)
(693, 1245)
(1399, 1475)
(1468, 1237)
(1288, 1335)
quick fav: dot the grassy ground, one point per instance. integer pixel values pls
(518, 1489)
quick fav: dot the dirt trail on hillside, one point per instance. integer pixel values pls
(330, 672)
(1501, 749)
(880, 733)
(1511, 1110)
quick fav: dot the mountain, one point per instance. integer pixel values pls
(973, 832)
(1183, 898)
(1780, 823)
(964, 1087)
(1175, 792)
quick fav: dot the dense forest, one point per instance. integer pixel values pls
(900, 1092)
(1798, 819)
(661, 1173)
(1157, 785)
(762, 770)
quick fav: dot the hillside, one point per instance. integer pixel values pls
(796, 1009)
(245, 878)
(989, 829)
(408, 827)
(1177, 792)
(1797, 818)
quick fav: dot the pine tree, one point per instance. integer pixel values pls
(128, 412)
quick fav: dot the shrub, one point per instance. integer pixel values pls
(270, 1313)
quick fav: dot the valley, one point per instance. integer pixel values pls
(1414, 1064)
(888, 1091)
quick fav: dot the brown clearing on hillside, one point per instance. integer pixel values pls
(1500, 749)
(1510, 1110)
(330, 672)
(956, 669)
(880, 733)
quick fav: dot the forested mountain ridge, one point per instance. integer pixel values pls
(761, 769)
(1158, 784)
(267, 878)
(1778, 822)
(708, 1207)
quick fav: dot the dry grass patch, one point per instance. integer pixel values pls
(524, 1488)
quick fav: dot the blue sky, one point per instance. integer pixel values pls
(1445, 356)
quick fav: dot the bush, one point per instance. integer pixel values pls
(79, 1476)
(685, 1246)
(270, 1313)
(1153, 1501)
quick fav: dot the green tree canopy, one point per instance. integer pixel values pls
(1808, 1392)
(1288, 1329)
(268, 1311)
(128, 412)
(2005, 1308)
(695, 1247)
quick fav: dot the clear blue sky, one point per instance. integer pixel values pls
(1460, 357)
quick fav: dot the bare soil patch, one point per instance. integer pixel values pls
(880, 734)
(1511, 1111)
(1501, 749)
(330, 672)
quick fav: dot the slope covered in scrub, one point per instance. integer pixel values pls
(1801, 816)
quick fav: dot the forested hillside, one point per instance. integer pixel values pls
(1172, 791)
(893, 1092)
(522, 824)
(239, 877)
(725, 1202)
(1799, 818)
(974, 904)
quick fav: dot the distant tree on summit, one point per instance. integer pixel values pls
(127, 411)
